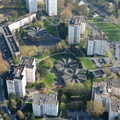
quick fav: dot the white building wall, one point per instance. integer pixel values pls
(30, 73)
(112, 115)
(51, 7)
(10, 86)
(90, 47)
(22, 22)
(70, 34)
(36, 110)
(83, 27)
(74, 34)
(103, 47)
(31, 5)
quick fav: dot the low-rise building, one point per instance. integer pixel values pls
(16, 80)
(99, 73)
(8, 27)
(45, 104)
(30, 64)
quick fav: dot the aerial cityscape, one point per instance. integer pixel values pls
(59, 59)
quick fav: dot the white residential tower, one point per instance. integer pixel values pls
(51, 7)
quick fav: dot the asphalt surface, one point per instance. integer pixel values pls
(101, 12)
(5, 52)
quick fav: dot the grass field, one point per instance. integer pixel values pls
(110, 30)
(87, 63)
(48, 79)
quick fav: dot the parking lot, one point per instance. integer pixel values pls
(115, 50)
(101, 61)
(5, 53)
(77, 115)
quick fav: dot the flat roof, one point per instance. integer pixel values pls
(15, 72)
(46, 99)
(96, 37)
(27, 61)
(20, 18)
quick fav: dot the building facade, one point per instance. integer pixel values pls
(16, 80)
(106, 92)
(51, 7)
(96, 45)
(30, 64)
(31, 5)
(8, 27)
(45, 104)
(74, 31)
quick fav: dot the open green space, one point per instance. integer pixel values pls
(87, 63)
(111, 31)
(49, 79)
(50, 29)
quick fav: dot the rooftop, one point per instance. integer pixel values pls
(96, 37)
(115, 104)
(15, 72)
(45, 99)
(27, 61)
(99, 72)
(18, 19)
(113, 83)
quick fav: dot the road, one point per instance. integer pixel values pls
(101, 12)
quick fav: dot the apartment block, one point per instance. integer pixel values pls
(106, 92)
(31, 5)
(96, 45)
(16, 80)
(7, 28)
(45, 104)
(74, 31)
(30, 64)
(51, 7)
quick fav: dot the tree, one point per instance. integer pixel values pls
(4, 66)
(6, 2)
(45, 91)
(28, 50)
(46, 52)
(12, 96)
(118, 117)
(12, 105)
(20, 115)
(43, 71)
(40, 85)
(95, 108)
(15, 60)
(63, 98)
(5, 116)
(49, 63)
(66, 14)
(40, 24)
(61, 3)
(114, 76)
(29, 116)
(62, 106)
(14, 14)
(40, 4)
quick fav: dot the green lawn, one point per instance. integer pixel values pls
(50, 29)
(49, 79)
(87, 63)
(110, 30)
